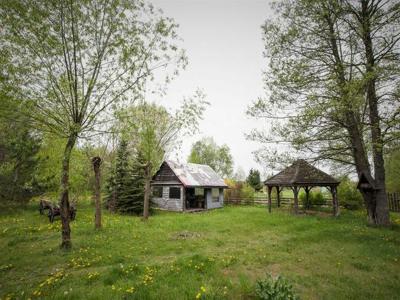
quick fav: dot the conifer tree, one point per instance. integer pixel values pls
(125, 187)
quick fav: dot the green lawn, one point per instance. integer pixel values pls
(173, 255)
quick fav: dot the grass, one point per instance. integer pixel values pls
(213, 255)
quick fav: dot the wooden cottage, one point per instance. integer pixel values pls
(183, 187)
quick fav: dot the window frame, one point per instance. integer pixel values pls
(174, 188)
(159, 188)
(215, 199)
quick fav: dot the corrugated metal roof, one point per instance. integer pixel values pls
(196, 175)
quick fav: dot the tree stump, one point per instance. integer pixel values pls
(96, 161)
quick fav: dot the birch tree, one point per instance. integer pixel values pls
(74, 60)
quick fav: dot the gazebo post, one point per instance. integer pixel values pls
(296, 200)
(269, 198)
(307, 190)
(278, 196)
(335, 202)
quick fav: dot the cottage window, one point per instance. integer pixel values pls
(175, 193)
(215, 195)
(157, 191)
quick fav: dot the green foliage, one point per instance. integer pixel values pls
(348, 194)
(254, 179)
(48, 170)
(272, 288)
(125, 186)
(207, 152)
(19, 144)
(247, 191)
(315, 198)
(154, 131)
(392, 168)
(238, 190)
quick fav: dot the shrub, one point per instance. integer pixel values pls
(348, 195)
(314, 198)
(233, 190)
(247, 191)
(272, 288)
(318, 198)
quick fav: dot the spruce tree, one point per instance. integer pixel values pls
(131, 200)
(125, 185)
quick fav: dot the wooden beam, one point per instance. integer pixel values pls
(278, 196)
(269, 198)
(335, 201)
(307, 204)
(296, 199)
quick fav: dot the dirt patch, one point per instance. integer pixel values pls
(185, 235)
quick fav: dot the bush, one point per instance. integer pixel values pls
(348, 195)
(314, 198)
(274, 289)
(318, 198)
(247, 191)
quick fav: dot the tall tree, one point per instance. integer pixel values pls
(254, 179)
(207, 152)
(392, 168)
(19, 143)
(76, 59)
(334, 86)
(154, 132)
(125, 188)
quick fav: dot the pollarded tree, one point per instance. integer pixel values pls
(207, 152)
(334, 81)
(73, 60)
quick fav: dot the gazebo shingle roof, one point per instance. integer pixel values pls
(301, 173)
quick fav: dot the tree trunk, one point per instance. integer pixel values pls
(64, 199)
(372, 203)
(146, 203)
(379, 195)
(96, 167)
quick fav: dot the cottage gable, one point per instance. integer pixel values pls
(165, 175)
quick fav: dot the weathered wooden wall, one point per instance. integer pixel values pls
(210, 203)
(169, 204)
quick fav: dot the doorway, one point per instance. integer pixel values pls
(195, 198)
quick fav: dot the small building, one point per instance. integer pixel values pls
(302, 175)
(184, 187)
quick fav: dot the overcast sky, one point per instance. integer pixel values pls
(224, 45)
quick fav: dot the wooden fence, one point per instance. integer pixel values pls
(264, 201)
(394, 201)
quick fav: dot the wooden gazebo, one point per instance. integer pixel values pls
(302, 175)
